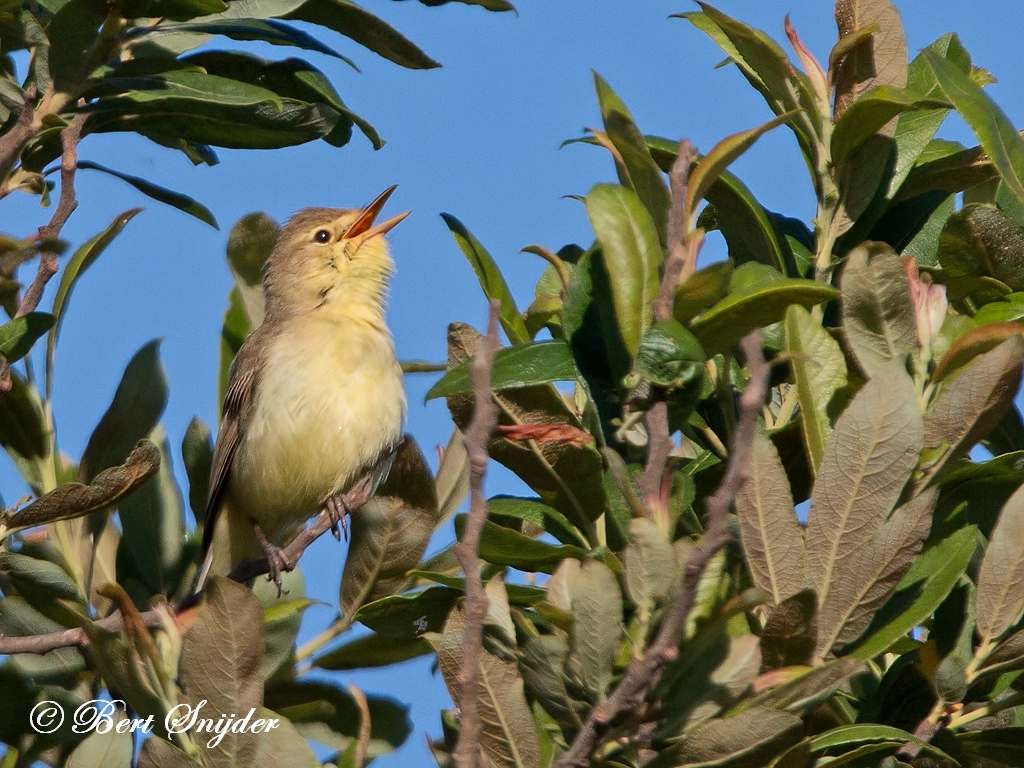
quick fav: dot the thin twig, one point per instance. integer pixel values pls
(13, 142)
(682, 256)
(642, 674)
(244, 572)
(477, 438)
(48, 233)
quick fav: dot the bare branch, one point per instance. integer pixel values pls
(13, 142)
(476, 438)
(682, 256)
(642, 674)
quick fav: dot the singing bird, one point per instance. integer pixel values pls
(315, 397)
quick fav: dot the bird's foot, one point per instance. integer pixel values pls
(338, 510)
(277, 560)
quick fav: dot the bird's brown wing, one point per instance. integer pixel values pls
(243, 380)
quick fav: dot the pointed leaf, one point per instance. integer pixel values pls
(597, 616)
(158, 193)
(880, 61)
(791, 632)
(878, 314)
(197, 456)
(390, 532)
(525, 365)
(250, 243)
(491, 280)
(752, 737)
(867, 461)
(17, 336)
(819, 370)
(865, 581)
(1000, 598)
(772, 539)
(871, 113)
(373, 651)
(649, 563)
(508, 735)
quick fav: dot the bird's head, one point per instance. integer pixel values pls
(331, 258)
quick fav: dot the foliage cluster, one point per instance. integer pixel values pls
(885, 629)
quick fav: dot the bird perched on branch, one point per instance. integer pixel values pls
(315, 398)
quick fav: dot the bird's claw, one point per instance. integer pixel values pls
(337, 510)
(277, 561)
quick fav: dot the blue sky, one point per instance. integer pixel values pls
(479, 139)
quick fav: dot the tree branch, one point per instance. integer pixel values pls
(629, 695)
(13, 142)
(476, 438)
(682, 257)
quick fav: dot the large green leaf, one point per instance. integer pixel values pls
(506, 547)
(1000, 598)
(771, 535)
(819, 371)
(525, 365)
(508, 734)
(491, 280)
(638, 171)
(390, 532)
(758, 297)
(596, 602)
(981, 241)
(878, 315)
(135, 410)
(752, 737)
(373, 651)
(262, 30)
(104, 747)
(869, 113)
(632, 255)
(990, 124)
(919, 594)
(867, 462)
(366, 29)
(158, 193)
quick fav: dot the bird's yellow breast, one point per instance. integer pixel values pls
(329, 402)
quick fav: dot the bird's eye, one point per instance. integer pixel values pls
(322, 236)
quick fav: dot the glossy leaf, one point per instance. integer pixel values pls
(669, 355)
(1000, 598)
(491, 280)
(390, 532)
(160, 194)
(973, 403)
(503, 546)
(373, 651)
(870, 113)
(867, 461)
(990, 124)
(525, 365)
(819, 371)
(262, 30)
(769, 531)
(864, 582)
(508, 734)
(632, 255)
(135, 410)
(878, 315)
(73, 500)
(410, 615)
(17, 336)
(920, 593)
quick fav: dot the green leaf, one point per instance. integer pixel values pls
(990, 124)
(19, 619)
(710, 167)
(135, 410)
(22, 429)
(751, 737)
(769, 531)
(535, 512)
(83, 258)
(971, 405)
(751, 233)
(281, 621)
(197, 456)
(508, 735)
(373, 651)
(981, 241)
(160, 194)
(868, 459)
(99, 749)
(30, 573)
(849, 735)
(870, 113)
(524, 365)
(878, 314)
(366, 29)
(250, 243)
(919, 594)
(1000, 598)
(505, 547)
(865, 580)
(491, 280)
(184, 89)
(632, 255)
(220, 663)
(649, 563)
(819, 371)
(390, 532)
(641, 174)
(805, 688)
(1000, 745)
(669, 355)
(152, 527)
(409, 615)
(17, 336)
(758, 297)
(71, 34)
(262, 30)
(597, 617)
(73, 500)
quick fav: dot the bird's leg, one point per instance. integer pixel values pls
(342, 504)
(277, 560)
(337, 509)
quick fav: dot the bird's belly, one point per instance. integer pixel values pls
(324, 412)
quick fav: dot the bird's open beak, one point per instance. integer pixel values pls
(364, 228)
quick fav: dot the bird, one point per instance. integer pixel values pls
(315, 398)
